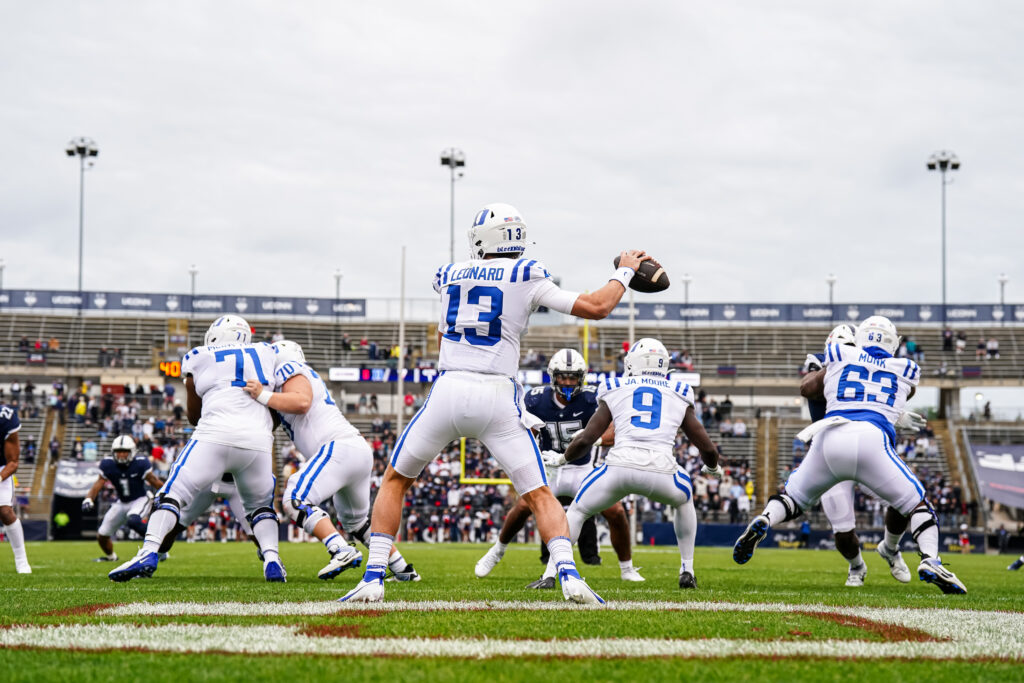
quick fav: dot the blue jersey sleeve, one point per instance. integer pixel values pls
(108, 468)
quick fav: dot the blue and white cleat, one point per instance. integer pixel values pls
(142, 565)
(932, 571)
(163, 557)
(346, 558)
(575, 589)
(368, 590)
(273, 571)
(745, 544)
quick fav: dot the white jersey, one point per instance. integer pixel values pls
(323, 422)
(230, 417)
(487, 306)
(647, 412)
(865, 386)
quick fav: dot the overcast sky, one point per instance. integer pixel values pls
(758, 146)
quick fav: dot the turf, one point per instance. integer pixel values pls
(65, 580)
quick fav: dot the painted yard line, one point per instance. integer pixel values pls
(289, 640)
(313, 608)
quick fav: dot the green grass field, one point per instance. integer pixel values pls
(784, 616)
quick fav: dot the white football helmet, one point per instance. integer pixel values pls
(497, 229)
(123, 449)
(228, 329)
(567, 364)
(844, 335)
(289, 350)
(646, 357)
(877, 331)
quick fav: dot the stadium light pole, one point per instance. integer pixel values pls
(943, 162)
(831, 280)
(1003, 279)
(84, 149)
(337, 302)
(454, 159)
(687, 279)
(193, 270)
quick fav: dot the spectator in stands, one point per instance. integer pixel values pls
(685, 362)
(374, 408)
(725, 408)
(54, 449)
(987, 412)
(901, 352)
(992, 348)
(54, 344)
(725, 428)
(363, 404)
(77, 449)
(961, 342)
(28, 449)
(947, 339)
(914, 350)
(30, 389)
(346, 343)
(981, 350)
(15, 391)
(102, 357)
(168, 395)
(371, 351)
(23, 344)
(739, 429)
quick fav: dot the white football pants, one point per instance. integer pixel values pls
(341, 468)
(202, 464)
(857, 451)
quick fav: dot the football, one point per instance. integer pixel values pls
(650, 277)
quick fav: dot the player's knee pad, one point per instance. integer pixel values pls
(165, 502)
(136, 524)
(922, 518)
(303, 514)
(361, 534)
(792, 509)
(261, 515)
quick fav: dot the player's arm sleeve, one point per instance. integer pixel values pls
(545, 292)
(441, 277)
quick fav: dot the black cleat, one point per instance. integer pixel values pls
(687, 580)
(543, 583)
(594, 560)
(745, 544)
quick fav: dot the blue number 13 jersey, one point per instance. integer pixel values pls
(866, 386)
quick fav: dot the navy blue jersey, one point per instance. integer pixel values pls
(9, 424)
(561, 423)
(129, 480)
(817, 406)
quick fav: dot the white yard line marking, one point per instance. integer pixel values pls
(978, 637)
(964, 633)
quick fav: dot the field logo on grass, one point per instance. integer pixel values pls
(931, 633)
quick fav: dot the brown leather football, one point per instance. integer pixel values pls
(650, 277)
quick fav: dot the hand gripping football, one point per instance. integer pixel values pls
(650, 277)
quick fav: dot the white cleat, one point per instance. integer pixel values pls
(488, 562)
(632, 574)
(856, 576)
(575, 589)
(932, 571)
(346, 558)
(897, 567)
(22, 568)
(365, 591)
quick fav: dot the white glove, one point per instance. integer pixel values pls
(910, 421)
(812, 362)
(552, 458)
(715, 472)
(87, 505)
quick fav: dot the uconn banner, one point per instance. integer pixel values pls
(956, 314)
(179, 304)
(1000, 471)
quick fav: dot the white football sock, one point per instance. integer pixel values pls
(16, 536)
(775, 511)
(857, 562)
(396, 562)
(377, 557)
(265, 531)
(685, 523)
(625, 565)
(160, 524)
(499, 548)
(892, 541)
(334, 543)
(560, 549)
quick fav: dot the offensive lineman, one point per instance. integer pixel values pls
(341, 466)
(647, 410)
(128, 472)
(565, 406)
(866, 388)
(837, 502)
(10, 453)
(233, 434)
(487, 302)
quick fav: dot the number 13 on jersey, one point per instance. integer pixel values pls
(468, 326)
